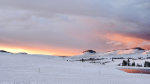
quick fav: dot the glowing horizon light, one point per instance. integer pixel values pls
(29, 50)
(19, 50)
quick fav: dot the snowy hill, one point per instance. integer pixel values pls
(45, 69)
(136, 55)
(126, 53)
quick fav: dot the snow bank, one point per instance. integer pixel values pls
(41, 69)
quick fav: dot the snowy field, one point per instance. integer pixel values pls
(40, 69)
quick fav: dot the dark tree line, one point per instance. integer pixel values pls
(147, 64)
(127, 63)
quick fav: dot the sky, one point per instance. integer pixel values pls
(68, 27)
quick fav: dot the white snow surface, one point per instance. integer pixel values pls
(42, 69)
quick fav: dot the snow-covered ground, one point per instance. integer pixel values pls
(42, 69)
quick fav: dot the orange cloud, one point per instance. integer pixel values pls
(126, 40)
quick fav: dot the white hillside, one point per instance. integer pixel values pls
(42, 69)
(126, 53)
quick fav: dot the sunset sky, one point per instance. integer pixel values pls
(68, 27)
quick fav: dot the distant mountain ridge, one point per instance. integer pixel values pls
(138, 48)
(3, 51)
